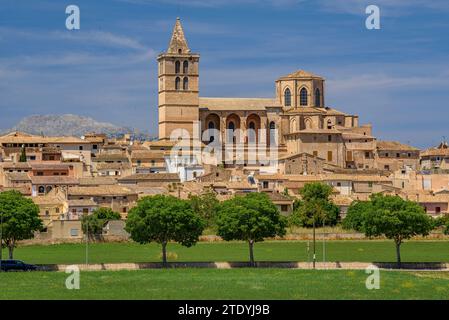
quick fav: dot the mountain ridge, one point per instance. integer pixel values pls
(67, 125)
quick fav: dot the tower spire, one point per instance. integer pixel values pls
(178, 42)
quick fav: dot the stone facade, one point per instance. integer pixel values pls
(295, 121)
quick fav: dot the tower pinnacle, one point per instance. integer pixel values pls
(178, 42)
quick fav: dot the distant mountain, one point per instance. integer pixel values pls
(67, 125)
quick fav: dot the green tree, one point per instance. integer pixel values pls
(20, 218)
(314, 207)
(250, 218)
(443, 222)
(94, 223)
(23, 155)
(162, 219)
(389, 216)
(206, 205)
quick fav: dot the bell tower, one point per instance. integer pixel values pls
(178, 78)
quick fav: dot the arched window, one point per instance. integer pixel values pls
(231, 128)
(308, 123)
(185, 67)
(303, 97)
(273, 133)
(177, 66)
(329, 124)
(317, 98)
(185, 83)
(211, 126)
(252, 132)
(287, 97)
(41, 189)
(293, 125)
(177, 83)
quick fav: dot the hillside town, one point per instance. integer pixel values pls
(68, 177)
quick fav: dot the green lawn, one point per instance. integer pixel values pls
(225, 284)
(362, 251)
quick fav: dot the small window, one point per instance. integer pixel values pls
(367, 154)
(329, 138)
(81, 148)
(177, 66)
(284, 207)
(95, 147)
(57, 210)
(74, 232)
(47, 213)
(370, 184)
(437, 209)
(303, 97)
(265, 184)
(287, 97)
(398, 155)
(338, 184)
(329, 156)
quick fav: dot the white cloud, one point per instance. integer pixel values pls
(101, 38)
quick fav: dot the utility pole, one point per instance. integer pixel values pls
(324, 244)
(87, 240)
(314, 246)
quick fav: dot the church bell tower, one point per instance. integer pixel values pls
(178, 86)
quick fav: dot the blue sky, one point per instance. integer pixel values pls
(396, 78)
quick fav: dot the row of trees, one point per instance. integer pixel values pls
(250, 218)
(163, 219)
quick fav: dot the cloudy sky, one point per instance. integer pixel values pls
(396, 78)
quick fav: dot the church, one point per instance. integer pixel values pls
(297, 113)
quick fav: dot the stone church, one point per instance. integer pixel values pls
(297, 113)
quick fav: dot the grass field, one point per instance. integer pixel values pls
(361, 251)
(225, 284)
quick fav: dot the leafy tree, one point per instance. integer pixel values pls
(390, 216)
(250, 218)
(23, 155)
(443, 222)
(20, 218)
(205, 205)
(162, 219)
(314, 207)
(94, 223)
